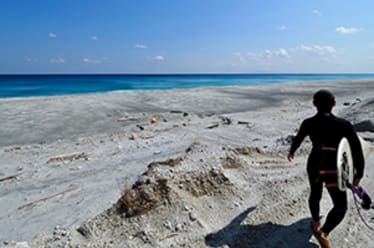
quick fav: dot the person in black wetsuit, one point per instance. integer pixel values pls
(325, 131)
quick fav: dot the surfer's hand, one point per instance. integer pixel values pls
(290, 157)
(356, 181)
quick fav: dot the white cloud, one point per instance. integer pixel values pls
(283, 27)
(52, 35)
(92, 61)
(140, 46)
(158, 58)
(344, 30)
(281, 52)
(94, 37)
(268, 54)
(316, 49)
(317, 12)
(30, 60)
(57, 60)
(287, 55)
(239, 56)
(253, 55)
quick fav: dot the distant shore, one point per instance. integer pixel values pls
(74, 84)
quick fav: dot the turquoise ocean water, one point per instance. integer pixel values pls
(50, 85)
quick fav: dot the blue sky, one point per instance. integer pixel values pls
(186, 36)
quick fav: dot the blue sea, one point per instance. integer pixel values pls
(51, 85)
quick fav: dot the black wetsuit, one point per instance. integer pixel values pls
(325, 131)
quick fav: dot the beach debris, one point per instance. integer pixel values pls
(149, 136)
(243, 123)
(253, 185)
(202, 223)
(176, 111)
(213, 126)
(144, 196)
(247, 123)
(140, 127)
(12, 149)
(168, 236)
(209, 114)
(168, 225)
(153, 120)
(226, 120)
(22, 244)
(144, 236)
(60, 231)
(195, 146)
(156, 152)
(9, 178)
(364, 126)
(68, 157)
(179, 227)
(231, 162)
(249, 150)
(346, 103)
(170, 162)
(127, 119)
(133, 136)
(186, 207)
(192, 216)
(286, 140)
(49, 198)
(357, 100)
(185, 114)
(84, 230)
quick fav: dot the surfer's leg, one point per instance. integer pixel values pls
(316, 185)
(337, 213)
(314, 198)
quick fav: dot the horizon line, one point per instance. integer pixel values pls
(185, 73)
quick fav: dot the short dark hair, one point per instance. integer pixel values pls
(324, 100)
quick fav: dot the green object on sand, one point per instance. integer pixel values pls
(186, 114)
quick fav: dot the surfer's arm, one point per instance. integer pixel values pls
(301, 134)
(357, 153)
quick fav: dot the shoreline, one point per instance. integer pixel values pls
(275, 84)
(53, 118)
(67, 159)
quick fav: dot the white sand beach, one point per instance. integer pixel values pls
(210, 171)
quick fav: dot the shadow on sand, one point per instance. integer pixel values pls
(265, 235)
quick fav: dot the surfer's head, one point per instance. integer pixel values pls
(324, 100)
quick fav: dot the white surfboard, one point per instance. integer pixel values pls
(345, 170)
